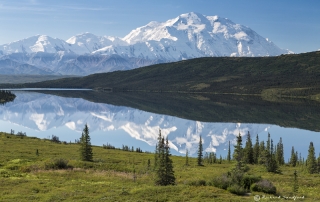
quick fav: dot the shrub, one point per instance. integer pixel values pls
(248, 180)
(237, 189)
(222, 182)
(55, 139)
(108, 146)
(57, 164)
(264, 186)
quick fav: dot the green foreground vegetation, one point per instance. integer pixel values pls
(33, 169)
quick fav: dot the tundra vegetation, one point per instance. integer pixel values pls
(33, 169)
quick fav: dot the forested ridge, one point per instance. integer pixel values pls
(294, 75)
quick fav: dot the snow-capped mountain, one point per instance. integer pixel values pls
(34, 44)
(187, 36)
(39, 113)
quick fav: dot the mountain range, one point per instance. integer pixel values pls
(190, 35)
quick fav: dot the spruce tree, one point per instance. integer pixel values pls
(248, 150)
(200, 149)
(238, 153)
(311, 160)
(85, 145)
(164, 167)
(229, 153)
(169, 173)
(256, 151)
(157, 151)
(262, 151)
(295, 182)
(271, 163)
(293, 158)
(161, 164)
(280, 153)
(187, 158)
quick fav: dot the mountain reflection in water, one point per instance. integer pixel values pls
(43, 115)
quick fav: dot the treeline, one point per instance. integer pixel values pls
(55, 139)
(271, 155)
(6, 96)
(265, 153)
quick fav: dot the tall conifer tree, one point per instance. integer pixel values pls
(169, 173)
(256, 151)
(163, 162)
(187, 157)
(262, 151)
(311, 160)
(229, 153)
(238, 153)
(85, 145)
(248, 150)
(200, 155)
(280, 153)
(293, 158)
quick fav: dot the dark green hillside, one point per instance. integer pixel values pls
(285, 75)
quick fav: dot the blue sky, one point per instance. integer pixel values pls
(293, 25)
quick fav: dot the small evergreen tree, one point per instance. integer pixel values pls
(187, 158)
(248, 150)
(271, 164)
(149, 164)
(238, 154)
(229, 153)
(169, 173)
(164, 167)
(200, 155)
(157, 151)
(256, 151)
(262, 153)
(311, 160)
(280, 153)
(85, 145)
(293, 158)
(295, 182)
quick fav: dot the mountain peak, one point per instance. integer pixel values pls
(189, 35)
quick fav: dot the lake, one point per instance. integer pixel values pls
(135, 119)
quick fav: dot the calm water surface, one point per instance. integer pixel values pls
(43, 115)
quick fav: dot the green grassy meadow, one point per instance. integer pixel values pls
(25, 176)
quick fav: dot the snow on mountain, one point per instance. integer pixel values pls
(42, 113)
(87, 43)
(39, 43)
(196, 35)
(187, 36)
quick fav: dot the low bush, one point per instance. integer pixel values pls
(248, 180)
(57, 164)
(264, 186)
(237, 189)
(222, 182)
